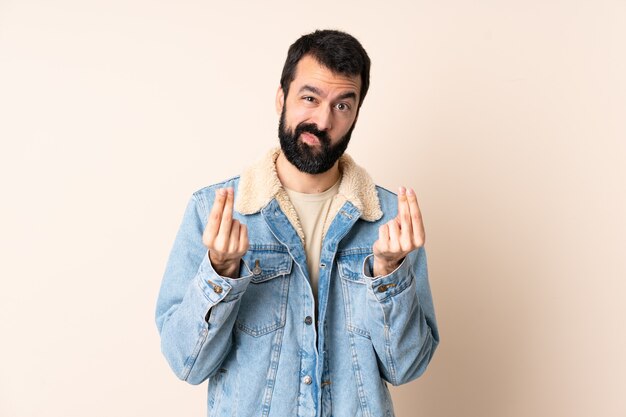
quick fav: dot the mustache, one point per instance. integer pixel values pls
(312, 129)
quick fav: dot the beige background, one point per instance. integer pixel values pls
(507, 117)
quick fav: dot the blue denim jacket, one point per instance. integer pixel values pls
(257, 338)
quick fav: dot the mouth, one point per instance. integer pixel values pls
(309, 139)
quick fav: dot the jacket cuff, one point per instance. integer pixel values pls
(385, 286)
(218, 288)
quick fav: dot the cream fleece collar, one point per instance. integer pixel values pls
(260, 183)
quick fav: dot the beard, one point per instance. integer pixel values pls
(307, 158)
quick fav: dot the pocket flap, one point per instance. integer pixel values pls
(267, 262)
(350, 264)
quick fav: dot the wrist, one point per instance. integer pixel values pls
(385, 266)
(229, 268)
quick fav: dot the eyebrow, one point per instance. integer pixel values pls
(315, 90)
(310, 88)
(344, 96)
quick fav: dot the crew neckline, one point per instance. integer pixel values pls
(324, 195)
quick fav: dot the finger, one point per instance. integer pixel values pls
(382, 243)
(383, 233)
(416, 218)
(233, 239)
(404, 217)
(243, 238)
(394, 236)
(227, 214)
(215, 216)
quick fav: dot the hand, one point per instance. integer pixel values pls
(399, 236)
(225, 237)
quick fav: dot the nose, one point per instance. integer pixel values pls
(323, 118)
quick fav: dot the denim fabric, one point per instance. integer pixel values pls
(257, 338)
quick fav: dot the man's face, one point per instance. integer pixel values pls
(318, 116)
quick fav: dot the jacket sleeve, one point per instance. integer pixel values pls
(196, 307)
(401, 318)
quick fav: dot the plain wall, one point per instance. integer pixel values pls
(507, 117)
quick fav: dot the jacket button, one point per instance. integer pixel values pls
(307, 380)
(257, 268)
(308, 320)
(217, 289)
(382, 288)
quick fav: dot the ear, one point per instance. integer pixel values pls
(280, 100)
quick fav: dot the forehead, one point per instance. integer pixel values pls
(310, 72)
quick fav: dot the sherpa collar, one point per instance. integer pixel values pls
(260, 183)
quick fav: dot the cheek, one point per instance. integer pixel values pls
(345, 124)
(296, 111)
(298, 114)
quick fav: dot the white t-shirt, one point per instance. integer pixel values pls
(312, 211)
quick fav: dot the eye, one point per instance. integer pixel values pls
(309, 99)
(342, 107)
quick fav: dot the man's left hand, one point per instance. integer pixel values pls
(399, 236)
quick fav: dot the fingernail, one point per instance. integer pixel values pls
(410, 191)
(401, 190)
(220, 191)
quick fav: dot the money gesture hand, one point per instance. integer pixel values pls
(226, 238)
(398, 237)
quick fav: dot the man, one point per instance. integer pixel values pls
(300, 288)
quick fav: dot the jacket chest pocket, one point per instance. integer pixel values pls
(354, 289)
(263, 305)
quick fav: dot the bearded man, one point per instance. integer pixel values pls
(300, 288)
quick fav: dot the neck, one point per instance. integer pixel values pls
(302, 182)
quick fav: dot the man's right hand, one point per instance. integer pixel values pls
(225, 237)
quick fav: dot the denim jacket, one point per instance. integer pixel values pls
(257, 338)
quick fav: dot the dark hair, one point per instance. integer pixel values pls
(338, 51)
